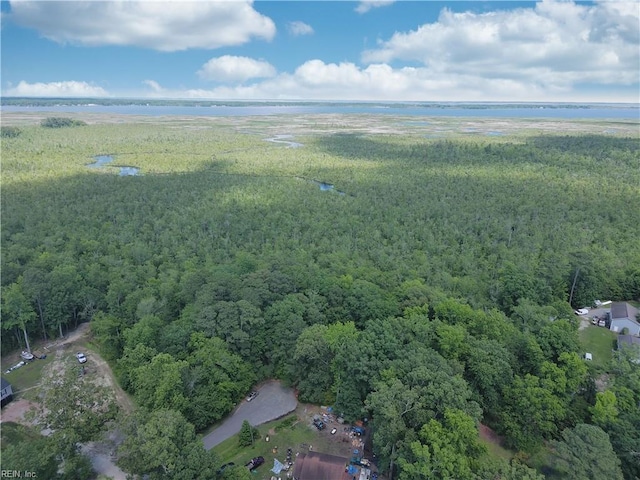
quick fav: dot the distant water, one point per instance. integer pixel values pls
(491, 111)
(102, 160)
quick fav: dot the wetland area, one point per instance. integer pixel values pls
(314, 248)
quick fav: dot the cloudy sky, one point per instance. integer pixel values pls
(323, 50)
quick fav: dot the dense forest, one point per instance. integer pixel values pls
(430, 288)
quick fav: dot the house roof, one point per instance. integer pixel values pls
(619, 310)
(622, 310)
(320, 466)
(5, 384)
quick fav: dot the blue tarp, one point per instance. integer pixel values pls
(277, 466)
(351, 470)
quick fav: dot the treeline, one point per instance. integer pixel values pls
(433, 296)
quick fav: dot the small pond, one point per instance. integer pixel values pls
(105, 160)
(327, 187)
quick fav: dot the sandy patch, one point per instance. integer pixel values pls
(15, 412)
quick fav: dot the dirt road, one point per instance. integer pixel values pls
(99, 453)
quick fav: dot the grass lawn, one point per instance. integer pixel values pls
(599, 342)
(288, 433)
(495, 450)
(26, 377)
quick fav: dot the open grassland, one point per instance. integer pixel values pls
(600, 342)
(24, 379)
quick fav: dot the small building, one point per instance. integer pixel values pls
(624, 316)
(321, 466)
(7, 392)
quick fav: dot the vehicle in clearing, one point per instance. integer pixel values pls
(224, 467)
(81, 358)
(319, 424)
(255, 463)
(333, 431)
(251, 396)
(582, 311)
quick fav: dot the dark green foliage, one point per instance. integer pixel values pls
(24, 449)
(163, 445)
(9, 132)
(246, 437)
(586, 452)
(499, 469)
(61, 122)
(440, 282)
(532, 412)
(445, 450)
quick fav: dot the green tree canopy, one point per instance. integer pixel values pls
(163, 445)
(585, 452)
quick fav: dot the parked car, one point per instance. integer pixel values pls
(319, 424)
(224, 467)
(81, 358)
(581, 311)
(251, 396)
(255, 463)
(333, 431)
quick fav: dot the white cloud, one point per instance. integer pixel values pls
(230, 68)
(554, 45)
(317, 80)
(299, 28)
(155, 86)
(365, 5)
(56, 89)
(164, 25)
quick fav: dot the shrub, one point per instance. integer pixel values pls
(10, 132)
(61, 122)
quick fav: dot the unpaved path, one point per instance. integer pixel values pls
(95, 364)
(102, 460)
(15, 411)
(98, 452)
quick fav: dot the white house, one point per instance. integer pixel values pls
(623, 316)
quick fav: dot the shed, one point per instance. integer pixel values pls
(7, 392)
(320, 466)
(624, 316)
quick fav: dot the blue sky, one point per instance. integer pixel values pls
(326, 50)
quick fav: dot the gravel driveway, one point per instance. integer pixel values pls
(273, 402)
